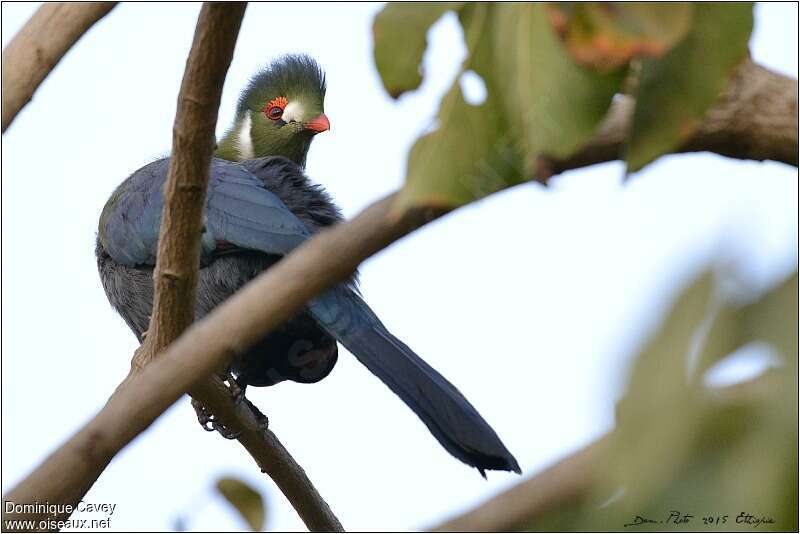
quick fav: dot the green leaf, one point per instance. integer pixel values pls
(246, 500)
(771, 318)
(774, 318)
(539, 102)
(607, 35)
(471, 154)
(556, 103)
(658, 382)
(399, 33)
(705, 453)
(676, 90)
(467, 158)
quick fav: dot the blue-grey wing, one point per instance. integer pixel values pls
(131, 218)
(242, 212)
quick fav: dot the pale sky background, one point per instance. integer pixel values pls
(532, 301)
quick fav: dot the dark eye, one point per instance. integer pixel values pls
(275, 112)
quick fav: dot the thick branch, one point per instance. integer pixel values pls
(40, 45)
(175, 274)
(756, 118)
(269, 300)
(176, 269)
(210, 344)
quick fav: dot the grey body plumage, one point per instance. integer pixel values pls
(257, 211)
(298, 350)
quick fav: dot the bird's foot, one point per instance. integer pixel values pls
(263, 420)
(235, 389)
(210, 423)
(144, 333)
(208, 420)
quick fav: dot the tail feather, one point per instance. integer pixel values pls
(448, 415)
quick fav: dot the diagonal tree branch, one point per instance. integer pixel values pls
(206, 346)
(38, 47)
(209, 345)
(175, 274)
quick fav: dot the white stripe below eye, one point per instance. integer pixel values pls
(244, 140)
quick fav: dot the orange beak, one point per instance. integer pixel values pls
(320, 124)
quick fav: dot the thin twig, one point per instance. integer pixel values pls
(38, 47)
(269, 453)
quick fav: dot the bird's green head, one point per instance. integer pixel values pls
(279, 112)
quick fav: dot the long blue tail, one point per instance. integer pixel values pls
(448, 415)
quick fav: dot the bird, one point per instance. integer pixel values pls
(260, 206)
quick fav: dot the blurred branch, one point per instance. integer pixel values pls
(513, 510)
(38, 47)
(756, 118)
(573, 478)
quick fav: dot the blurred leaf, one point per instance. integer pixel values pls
(681, 447)
(399, 33)
(659, 381)
(774, 319)
(538, 102)
(607, 35)
(556, 103)
(471, 154)
(723, 337)
(246, 500)
(769, 319)
(676, 90)
(467, 158)
(741, 457)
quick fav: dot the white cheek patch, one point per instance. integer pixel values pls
(293, 112)
(244, 140)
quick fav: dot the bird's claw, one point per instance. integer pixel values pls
(143, 336)
(210, 423)
(263, 420)
(236, 390)
(204, 417)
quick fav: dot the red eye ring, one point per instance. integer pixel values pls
(274, 108)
